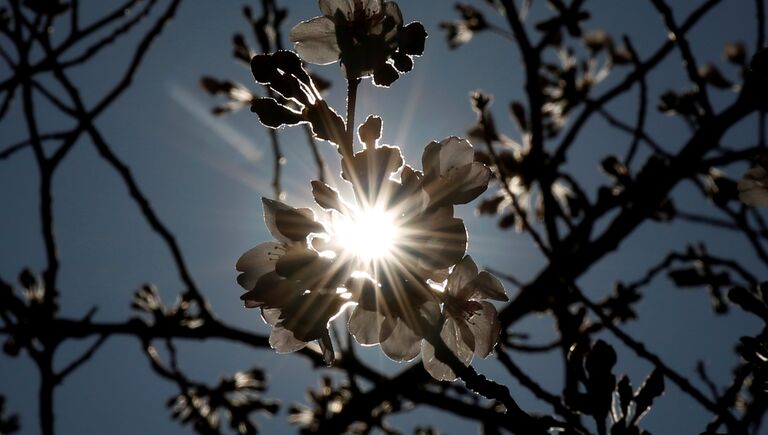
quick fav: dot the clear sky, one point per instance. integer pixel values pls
(205, 177)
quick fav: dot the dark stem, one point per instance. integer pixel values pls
(279, 159)
(348, 147)
(642, 106)
(47, 385)
(678, 36)
(319, 162)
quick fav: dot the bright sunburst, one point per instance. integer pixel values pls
(368, 235)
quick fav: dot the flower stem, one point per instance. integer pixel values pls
(349, 142)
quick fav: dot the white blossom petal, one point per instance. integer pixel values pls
(439, 370)
(271, 315)
(472, 182)
(283, 341)
(430, 160)
(392, 11)
(485, 328)
(330, 8)
(402, 344)
(315, 41)
(487, 286)
(461, 275)
(258, 261)
(271, 207)
(453, 337)
(455, 153)
(459, 338)
(366, 326)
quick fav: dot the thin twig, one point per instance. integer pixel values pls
(677, 35)
(643, 352)
(537, 390)
(74, 365)
(642, 106)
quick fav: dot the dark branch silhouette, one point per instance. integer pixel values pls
(530, 189)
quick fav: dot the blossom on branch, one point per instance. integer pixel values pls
(471, 325)
(386, 253)
(753, 187)
(367, 36)
(278, 275)
(451, 174)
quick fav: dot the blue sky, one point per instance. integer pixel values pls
(205, 176)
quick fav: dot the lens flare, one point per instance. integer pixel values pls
(368, 235)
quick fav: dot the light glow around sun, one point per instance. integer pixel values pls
(369, 235)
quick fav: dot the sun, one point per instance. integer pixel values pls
(369, 235)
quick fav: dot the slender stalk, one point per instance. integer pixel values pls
(348, 147)
(45, 393)
(279, 159)
(319, 162)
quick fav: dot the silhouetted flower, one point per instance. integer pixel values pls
(393, 314)
(238, 95)
(471, 325)
(286, 277)
(568, 17)
(393, 294)
(235, 398)
(712, 76)
(753, 187)
(368, 37)
(565, 86)
(451, 174)
(259, 265)
(460, 32)
(736, 53)
(521, 182)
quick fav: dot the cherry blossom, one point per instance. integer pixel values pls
(451, 174)
(285, 277)
(471, 326)
(368, 37)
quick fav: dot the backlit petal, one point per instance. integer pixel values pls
(283, 341)
(402, 344)
(455, 152)
(487, 286)
(258, 261)
(330, 8)
(453, 337)
(271, 207)
(365, 326)
(315, 41)
(485, 328)
(464, 272)
(474, 181)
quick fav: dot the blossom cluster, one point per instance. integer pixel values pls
(310, 273)
(394, 257)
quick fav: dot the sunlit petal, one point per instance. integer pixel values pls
(283, 341)
(461, 275)
(366, 326)
(315, 41)
(402, 344)
(487, 286)
(485, 328)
